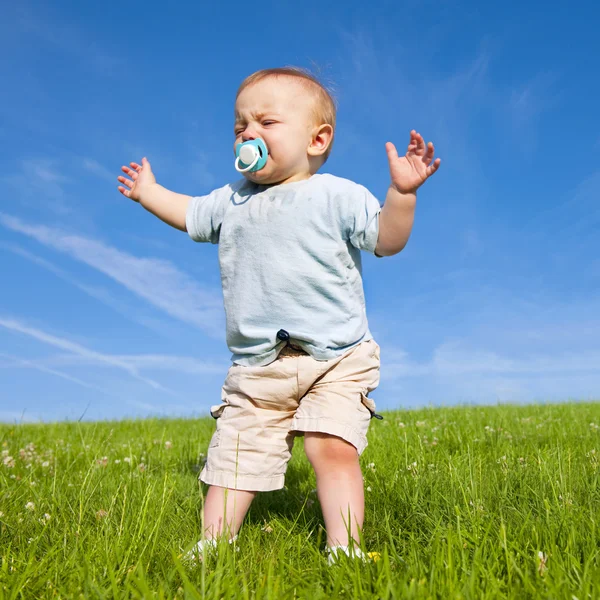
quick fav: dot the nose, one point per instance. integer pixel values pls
(249, 133)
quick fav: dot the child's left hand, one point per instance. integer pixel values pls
(410, 171)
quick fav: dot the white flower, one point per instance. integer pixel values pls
(117, 461)
(127, 459)
(30, 506)
(369, 488)
(45, 464)
(542, 566)
(168, 445)
(9, 462)
(47, 516)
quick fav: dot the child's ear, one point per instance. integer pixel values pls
(321, 139)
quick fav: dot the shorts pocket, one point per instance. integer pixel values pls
(369, 404)
(215, 440)
(217, 410)
(376, 352)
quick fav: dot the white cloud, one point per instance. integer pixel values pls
(94, 167)
(455, 359)
(16, 362)
(98, 293)
(41, 22)
(158, 281)
(78, 350)
(40, 177)
(15, 416)
(529, 100)
(153, 362)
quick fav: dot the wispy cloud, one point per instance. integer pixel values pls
(40, 177)
(455, 359)
(16, 362)
(157, 281)
(458, 373)
(15, 416)
(78, 350)
(94, 167)
(98, 293)
(38, 21)
(529, 100)
(151, 362)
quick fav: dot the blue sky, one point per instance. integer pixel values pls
(106, 310)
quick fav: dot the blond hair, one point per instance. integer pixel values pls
(324, 110)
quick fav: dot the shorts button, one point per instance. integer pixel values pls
(283, 335)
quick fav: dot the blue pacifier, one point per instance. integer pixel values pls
(251, 156)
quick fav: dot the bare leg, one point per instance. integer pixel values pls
(224, 511)
(339, 486)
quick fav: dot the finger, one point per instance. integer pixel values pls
(130, 172)
(431, 169)
(126, 181)
(412, 142)
(124, 191)
(429, 154)
(392, 153)
(146, 163)
(420, 144)
(135, 166)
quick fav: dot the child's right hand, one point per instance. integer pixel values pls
(142, 178)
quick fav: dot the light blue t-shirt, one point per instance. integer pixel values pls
(290, 259)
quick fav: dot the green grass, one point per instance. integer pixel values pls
(462, 503)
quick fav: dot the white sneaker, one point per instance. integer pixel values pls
(334, 553)
(204, 547)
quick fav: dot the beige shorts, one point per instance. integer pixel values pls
(264, 408)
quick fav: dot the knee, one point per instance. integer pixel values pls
(327, 450)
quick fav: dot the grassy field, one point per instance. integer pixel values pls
(461, 503)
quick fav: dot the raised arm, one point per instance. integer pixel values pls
(168, 206)
(408, 173)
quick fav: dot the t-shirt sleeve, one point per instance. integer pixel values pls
(360, 218)
(205, 215)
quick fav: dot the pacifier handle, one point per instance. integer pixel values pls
(237, 164)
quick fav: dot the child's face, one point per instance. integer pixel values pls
(278, 110)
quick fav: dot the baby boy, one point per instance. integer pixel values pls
(304, 360)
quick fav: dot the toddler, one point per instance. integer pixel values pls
(303, 358)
